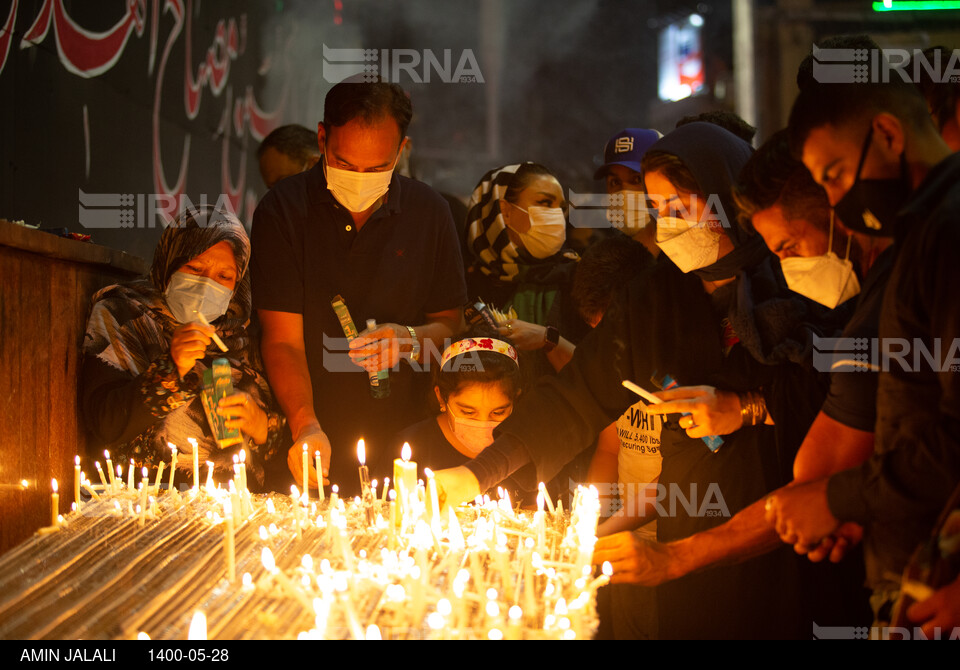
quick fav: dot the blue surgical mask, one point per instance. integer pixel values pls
(188, 294)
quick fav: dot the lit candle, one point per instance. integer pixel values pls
(173, 464)
(54, 505)
(118, 482)
(546, 497)
(373, 488)
(143, 499)
(103, 479)
(320, 494)
(306, 471)
(386, 485)
(393, 520)
(113, 483)
(76, 481)
(364, 472)
(434, 498)
(196, 463)
(209, 484)
(198, 625)
(243, 470)
(405, 479)
(228, 540)
(130, 475)
(603, 579)
(235, 504)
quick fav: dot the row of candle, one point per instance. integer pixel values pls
(487, 571)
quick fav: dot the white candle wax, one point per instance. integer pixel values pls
(76, 481)
(173, 465)
(434, 498)
(228, 539)
(196, 463)
(106, 455)
(405, 480)
(130, 476)
(54, 504)
(320, 494)
(306, 471)
(103, 479)
(156, 483)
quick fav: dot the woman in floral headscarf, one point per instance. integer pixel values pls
(147, 346)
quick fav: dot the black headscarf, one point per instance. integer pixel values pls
(714, 157)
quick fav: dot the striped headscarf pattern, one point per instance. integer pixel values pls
(494, 254)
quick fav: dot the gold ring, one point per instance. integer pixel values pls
(509, 326)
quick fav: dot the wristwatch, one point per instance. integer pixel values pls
(551, 338)
(415, 345)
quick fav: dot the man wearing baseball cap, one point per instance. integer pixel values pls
(621, 171)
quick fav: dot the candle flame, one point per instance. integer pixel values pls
(361, 451)
(76, 461)
(304, 447)
(106, 454)
(392, 495)
(607, 568)
(406, 452)
(428, 473)
(172, 446)
(53, 483)
(266, 557)
(144, 472)
(198, 627)
(243, 455)
(24, 483)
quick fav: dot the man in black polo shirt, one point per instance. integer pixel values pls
(887, 171)
(384, 243)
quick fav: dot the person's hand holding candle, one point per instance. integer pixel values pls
(189, 343)
(379, 349)
(316, 440)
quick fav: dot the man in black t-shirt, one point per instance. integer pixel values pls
(384, 243)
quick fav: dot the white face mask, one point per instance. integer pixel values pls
(690, 246)
(357, 191)
(547, 232)
(632, 216)
(825, 279)
(188, 294)
(474, 435)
